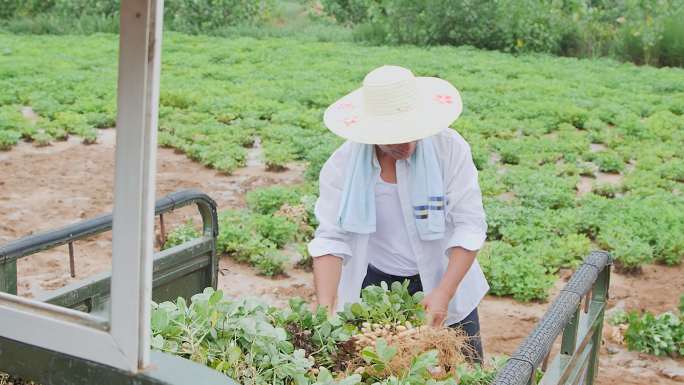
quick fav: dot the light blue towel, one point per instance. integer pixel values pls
(357, 208)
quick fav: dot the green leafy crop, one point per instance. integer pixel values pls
(237, 338)
(386, 305)
(181, 234)
(268, 200)
(660, 335)
(273, 228)
(511, 271)
(8, 139)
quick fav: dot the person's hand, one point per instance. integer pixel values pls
(436, 305)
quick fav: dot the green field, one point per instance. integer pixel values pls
(538, 126)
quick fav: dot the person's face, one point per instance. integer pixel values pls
(398, 151)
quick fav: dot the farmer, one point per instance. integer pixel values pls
(400, 200)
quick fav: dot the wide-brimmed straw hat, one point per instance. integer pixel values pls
(394, 106)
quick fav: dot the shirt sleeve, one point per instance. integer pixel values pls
(329, 238)
(464, 200)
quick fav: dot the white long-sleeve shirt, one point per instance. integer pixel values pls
(465, 225)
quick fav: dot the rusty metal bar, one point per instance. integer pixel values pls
(72, 267)
(162, 231)
(587, 301)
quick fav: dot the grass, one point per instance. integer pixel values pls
(530, 120)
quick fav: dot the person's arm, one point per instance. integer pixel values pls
(466, 213)
(327, 270)
(437, 302)
(330, 246)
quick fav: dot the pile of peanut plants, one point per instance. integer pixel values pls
(254, 343)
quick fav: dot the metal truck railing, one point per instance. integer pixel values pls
(180, 271)
(577, 361)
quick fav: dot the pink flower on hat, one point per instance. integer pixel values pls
(351, 120)
(345, 106)
(444, 99)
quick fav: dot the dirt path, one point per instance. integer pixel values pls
(44, 188)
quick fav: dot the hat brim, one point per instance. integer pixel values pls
(439, 105)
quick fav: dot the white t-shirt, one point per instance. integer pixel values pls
(389, 248)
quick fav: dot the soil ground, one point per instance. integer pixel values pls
(45, 188)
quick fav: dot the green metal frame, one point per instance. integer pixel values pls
(52, 368)
(180, 271)
(581, 328)
(8, 276)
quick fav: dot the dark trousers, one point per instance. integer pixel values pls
(470, 324)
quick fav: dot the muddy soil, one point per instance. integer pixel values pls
(44, 188)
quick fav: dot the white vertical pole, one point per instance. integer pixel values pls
(134, 182)
(151, 123)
